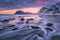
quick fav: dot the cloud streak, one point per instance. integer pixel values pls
(12, 4)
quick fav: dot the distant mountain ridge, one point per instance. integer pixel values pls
(22, 12)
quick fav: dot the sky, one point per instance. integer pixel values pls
(20, 4)
(29, 9)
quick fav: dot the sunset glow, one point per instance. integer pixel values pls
(32, 10)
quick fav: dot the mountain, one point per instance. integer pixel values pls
(50, 13)
(19, 12)
(52, 9)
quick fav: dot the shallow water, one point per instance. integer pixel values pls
(16, 29)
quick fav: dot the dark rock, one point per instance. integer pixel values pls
(22, 19)
(49, 24)
(49, 29)
(34, 27)
(29, 20)
(14, 28)
(6, 20)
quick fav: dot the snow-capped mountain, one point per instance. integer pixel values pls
(52, 9)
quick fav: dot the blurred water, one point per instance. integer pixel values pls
(24, 31)
(27, 27)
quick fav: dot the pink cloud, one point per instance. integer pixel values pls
(41, 2)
